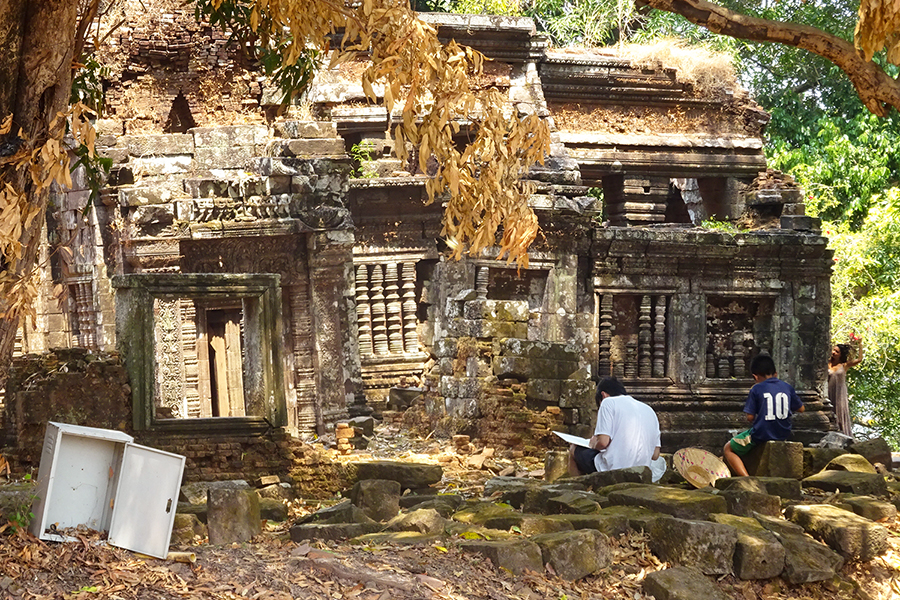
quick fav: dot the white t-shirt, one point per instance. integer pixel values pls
(633, 430)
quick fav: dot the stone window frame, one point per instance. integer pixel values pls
(135, 294)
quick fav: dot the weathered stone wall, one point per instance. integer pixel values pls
(64, 385)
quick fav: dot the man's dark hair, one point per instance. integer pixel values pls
(763, 364)
(611, 386)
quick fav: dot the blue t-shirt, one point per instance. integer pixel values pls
(773, 402)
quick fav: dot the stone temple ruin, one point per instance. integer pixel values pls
(267, 273)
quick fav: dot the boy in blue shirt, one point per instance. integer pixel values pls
(769, 406)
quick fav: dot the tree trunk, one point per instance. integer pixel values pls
(877, 90)
(36, 45)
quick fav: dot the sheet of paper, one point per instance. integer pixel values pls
(574, 439)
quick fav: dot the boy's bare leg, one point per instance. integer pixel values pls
(734, 461)
(573, 467)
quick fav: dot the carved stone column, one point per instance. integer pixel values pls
(336, 360)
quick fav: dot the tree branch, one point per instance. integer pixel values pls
(877, 90)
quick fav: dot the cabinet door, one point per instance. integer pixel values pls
(145, 501)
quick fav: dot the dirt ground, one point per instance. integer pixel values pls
(271, 567)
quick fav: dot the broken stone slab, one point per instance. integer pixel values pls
(681, 583)
(378, 498)
(815, 459)
(779, 525)
(705, 545)
(861, 484)
(871, 508)
(196, 493)
(426, 520)
(574, 554)
(683, 504)
(233, 515)
(757, 553)
(529, 524)
(408, 475)
(783, 487)
(851, 535)
(602, 479)
(266, 480)
(332, 531)
(855, 463)
(745, 503)
(573, 503)
(612, 525)
(515, 556)
(272, 509)
(875, 450)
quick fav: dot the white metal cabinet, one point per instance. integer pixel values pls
(100, 479)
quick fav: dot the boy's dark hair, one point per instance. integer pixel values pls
(763, 364)
(611, 386)
(845, 352)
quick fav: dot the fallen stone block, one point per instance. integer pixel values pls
(445, 504)
(834, 439)
(746, 504)
(601, 479)
(574, 554)
(196, 493)
(806, 560)
(529, 524)
(536, 499)
(861, 484)
(332, 531)
(855, 463)
(638, 518)
(851, 535)
(871, 508)
(232, 515)
(515, 556)
(705, 545)
(875, 451)
(481, 512)
(199, 510)
(612, 525)
(779, 525)
(783, 487)
(757, 553)
(815, 459)
(503, 485)
(681, 583)
(277, 491)
(781, 459)
(342, 512)
(573, 503)
(186, 527)
(403, 538)
(679, 503)
(378, 498)
(408, 475)
(271, 509)
(426, 520)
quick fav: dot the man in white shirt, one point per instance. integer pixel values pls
(627, 433)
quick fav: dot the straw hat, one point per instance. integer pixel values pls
(699, 467)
